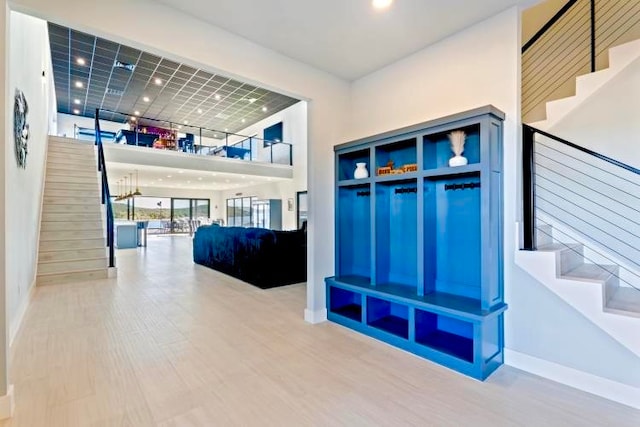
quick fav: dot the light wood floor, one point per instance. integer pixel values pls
(169, 343)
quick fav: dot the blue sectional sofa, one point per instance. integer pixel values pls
(261, 257)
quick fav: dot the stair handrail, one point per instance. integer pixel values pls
(528, 177)
(555, 18)
(105, 193)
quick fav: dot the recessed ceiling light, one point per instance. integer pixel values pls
(145, 98)
(186, 122)
(133, 119)
(159, 179)
(217, 97)
(168, 176)
(199, 110)
(381, 4)
(157, 81)
(81, 61)
(137, 113)
(243, 177)
(243, 120)
(215, 135)
(180, 171)
(226, 129)
(264, 109)
(77, 101)
(179, 126)
(213, 174)
(79, 84)
(252, 100)
(76, 111)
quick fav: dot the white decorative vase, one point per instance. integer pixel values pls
(361, 171)
(457, 139)
(458, 161)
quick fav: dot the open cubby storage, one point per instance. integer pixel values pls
(354, 235)
(401, 154)
(419, 245)
(437, 147)
(388, 316)
(347, 163)
(396, 233)
(345, 303)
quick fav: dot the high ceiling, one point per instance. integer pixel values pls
(153, 86)
(347, 38)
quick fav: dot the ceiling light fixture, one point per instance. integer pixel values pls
(76, 111)
(137, 192)
(168, 176)
(158, 81)
(199, 110)
(79, 84)
(137, 113)
(145, 98)
(133, 119)
(186, 122)
(180, 171)
(81, 61)
(381, 4)
(265, 109)
(217, 97)
(77, 101)
(243, 120)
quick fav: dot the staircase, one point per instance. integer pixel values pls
(72, 235)
(620, 57)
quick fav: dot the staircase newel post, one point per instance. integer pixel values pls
(528, 190)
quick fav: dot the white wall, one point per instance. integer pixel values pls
(475, 67)
(66, 122)
(29, 55)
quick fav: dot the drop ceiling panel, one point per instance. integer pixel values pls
(184, 89)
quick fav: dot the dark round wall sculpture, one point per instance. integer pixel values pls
(20, 127)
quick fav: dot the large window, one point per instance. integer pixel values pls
(165, 215)
(239, 211)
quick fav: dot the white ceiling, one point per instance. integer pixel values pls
(178, 179)
(347, 38)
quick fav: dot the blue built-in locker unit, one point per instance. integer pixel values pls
(419, 248)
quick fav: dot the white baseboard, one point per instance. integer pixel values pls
(314, 317)
(7, 404)
(14, 327)
(608, 389)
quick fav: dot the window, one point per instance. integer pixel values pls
(239, 211)
(273, 134)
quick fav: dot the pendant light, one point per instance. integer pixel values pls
(124, 194)
(137, 192)
(130, 193)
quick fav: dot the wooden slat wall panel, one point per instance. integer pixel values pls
(550, 66)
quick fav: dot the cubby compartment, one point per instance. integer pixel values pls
(347, 163)
(437, 147)
(354, 233)
(396, 158)
(397, 233)
(388, 316)
(452, 236)
(445, 334)
(345, 303)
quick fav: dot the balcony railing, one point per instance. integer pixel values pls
(195, 140)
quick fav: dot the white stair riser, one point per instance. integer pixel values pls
(92, 200)
(67, 266)
(569, 259)
(56, 245)
(71, 225)
(72, 209)
(63, 278)
(73, 186)
(68, 255)
(52, 192)
(71, 234)
(67, 217)
(72, 169)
